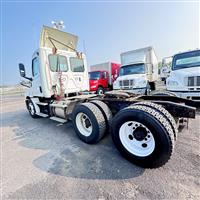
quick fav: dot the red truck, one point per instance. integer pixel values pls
(102, 76)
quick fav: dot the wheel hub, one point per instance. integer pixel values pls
(137, 138)
(84, 124)
(87, 123)
(140, 133)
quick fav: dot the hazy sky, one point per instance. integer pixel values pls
(107, 29)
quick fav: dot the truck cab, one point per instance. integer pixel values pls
(58, 70)
(138, 72)
(98, 81)
(184, 79)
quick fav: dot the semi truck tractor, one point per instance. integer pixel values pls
(138, 71)
(102, 76)
(184, 78)
(143, 128)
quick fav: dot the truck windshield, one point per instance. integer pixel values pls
(132, 69)
(94, 75)
(185, 60)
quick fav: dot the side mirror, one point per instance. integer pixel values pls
(22, 70)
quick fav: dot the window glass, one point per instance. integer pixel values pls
(94, 75)
(104, 75)
(185, 60)
(35, 67)
(132, 69)
(76, 64)
(63, 63)
(58, 63)
(53, 62)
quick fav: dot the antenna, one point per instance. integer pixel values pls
(58, 25)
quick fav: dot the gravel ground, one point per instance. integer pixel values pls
(42, 159)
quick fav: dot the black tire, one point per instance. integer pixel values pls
(100, 90)
(96, 120)
(105, 111)
(31, 109)
(165, 114)
(159, 127)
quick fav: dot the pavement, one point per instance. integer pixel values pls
(42, 159)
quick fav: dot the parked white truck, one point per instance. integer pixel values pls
(184, 79)
(138, 72)
(143, 128)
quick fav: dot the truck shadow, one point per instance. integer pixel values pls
(66, 154)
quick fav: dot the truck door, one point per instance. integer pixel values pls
(104, 77)
(36, 83)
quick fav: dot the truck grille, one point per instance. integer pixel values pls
(193, 81)
(126, 83)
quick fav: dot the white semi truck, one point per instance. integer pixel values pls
(138, 72)
(143, 128)
(184, 78)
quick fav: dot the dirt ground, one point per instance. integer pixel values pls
(42, 159)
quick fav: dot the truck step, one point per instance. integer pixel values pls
(42, 114)
(42, 103)
(58, 119)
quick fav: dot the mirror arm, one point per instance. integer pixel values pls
(30, 79)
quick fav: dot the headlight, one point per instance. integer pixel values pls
(172, 83)
(141, 83)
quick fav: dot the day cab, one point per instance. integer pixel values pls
(57, 69)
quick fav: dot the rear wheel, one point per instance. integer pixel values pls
(89, 123)
(143, 136)
(105, 111)
(165, 114)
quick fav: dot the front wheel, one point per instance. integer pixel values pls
(143, 136)
(31, 109)
(100, 90)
